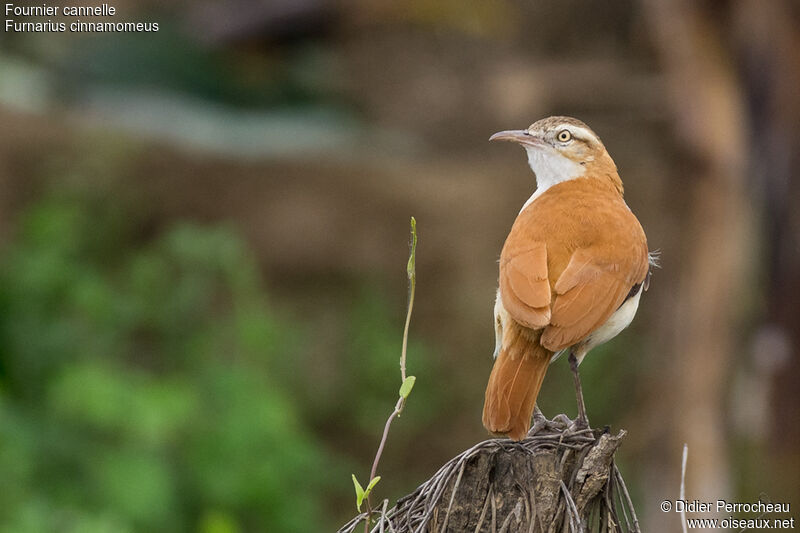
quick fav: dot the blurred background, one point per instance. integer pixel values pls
(204, 236)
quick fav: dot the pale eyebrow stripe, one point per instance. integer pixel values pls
(583, 132)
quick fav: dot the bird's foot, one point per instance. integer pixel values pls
(537, 426)
(560, 422)
(539, 422)
(578, 425)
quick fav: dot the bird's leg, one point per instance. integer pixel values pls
(582, 422)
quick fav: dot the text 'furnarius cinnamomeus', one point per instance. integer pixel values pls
(572, 269)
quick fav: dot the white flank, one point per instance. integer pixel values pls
(620, 320)
(500, 320)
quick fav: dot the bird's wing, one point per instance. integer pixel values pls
(592, 286)
(568, 269)
(525, 286)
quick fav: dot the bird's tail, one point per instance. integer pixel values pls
(515, 382)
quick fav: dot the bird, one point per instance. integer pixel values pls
(571, 272)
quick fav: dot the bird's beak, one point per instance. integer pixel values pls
(517, 136)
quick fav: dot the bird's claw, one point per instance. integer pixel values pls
(578, 425)
(539, 422)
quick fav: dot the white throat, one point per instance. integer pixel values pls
(550, 168)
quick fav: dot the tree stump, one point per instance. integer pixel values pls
(556, 480)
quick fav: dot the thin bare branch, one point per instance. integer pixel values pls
(684, 525)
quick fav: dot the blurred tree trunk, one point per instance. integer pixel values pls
(768, 40)
(709, 118)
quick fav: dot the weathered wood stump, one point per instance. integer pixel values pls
(556, 480)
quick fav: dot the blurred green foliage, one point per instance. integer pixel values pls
(174, 61)
(136, 382)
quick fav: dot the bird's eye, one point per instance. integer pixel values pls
(564, 136)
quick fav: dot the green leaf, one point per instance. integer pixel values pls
(411, 267)
(360, 494)
(408, 384)
(371, 485)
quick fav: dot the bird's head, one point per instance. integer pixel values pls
(560, 149)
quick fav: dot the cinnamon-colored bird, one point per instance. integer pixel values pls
(571, 270)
